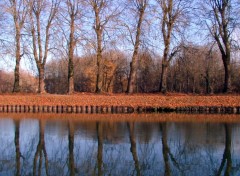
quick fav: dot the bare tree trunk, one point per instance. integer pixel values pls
(163, 82)
(70, 63)
(99, 8)
(16, 86)
(170, 13)
(41, 83)
(41, 46)
(133, 65)
(18, 11)
(99, 61)
(227, 78)
(99, 32)
(223, 23)
(167, 26)
(73, 11)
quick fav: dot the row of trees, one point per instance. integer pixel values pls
(125, 46)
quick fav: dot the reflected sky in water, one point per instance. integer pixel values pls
(30, 146)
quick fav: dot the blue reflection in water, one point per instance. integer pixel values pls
(72, 147)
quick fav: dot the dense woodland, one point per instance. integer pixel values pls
(120, 46)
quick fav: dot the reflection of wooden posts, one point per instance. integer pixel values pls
(100, 148)
(71, 164)
(133, 148)
(40, 152)
(17, 145)
(227, 152)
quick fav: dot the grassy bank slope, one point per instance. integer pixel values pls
(154, 100)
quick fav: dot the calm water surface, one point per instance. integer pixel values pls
(30, 146)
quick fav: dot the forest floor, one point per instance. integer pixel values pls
(171, 100)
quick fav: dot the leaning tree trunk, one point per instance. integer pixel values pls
(41, 83)
(133, 75)
(133, 65)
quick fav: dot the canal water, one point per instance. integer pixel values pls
(119, 145)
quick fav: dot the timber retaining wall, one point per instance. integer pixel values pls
(114, 109)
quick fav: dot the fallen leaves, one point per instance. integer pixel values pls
(135, 100)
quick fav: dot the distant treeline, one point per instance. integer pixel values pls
(192, 71)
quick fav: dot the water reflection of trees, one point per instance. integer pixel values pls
(133, 147)
(227, 157)
(201, 153)
(167, 154)
(143, 148)
(100, 148)
(40, 152)
(17, 146)
(71, 147)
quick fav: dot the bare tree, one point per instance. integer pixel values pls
(18, 9)
(172, 10)
(98, 6)
(141, 7)
(221, 23)
(41, 33)
(73, 12)
(104, 12)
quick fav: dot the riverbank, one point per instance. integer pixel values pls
(155, 117)
(119, 103)
(135, 100)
